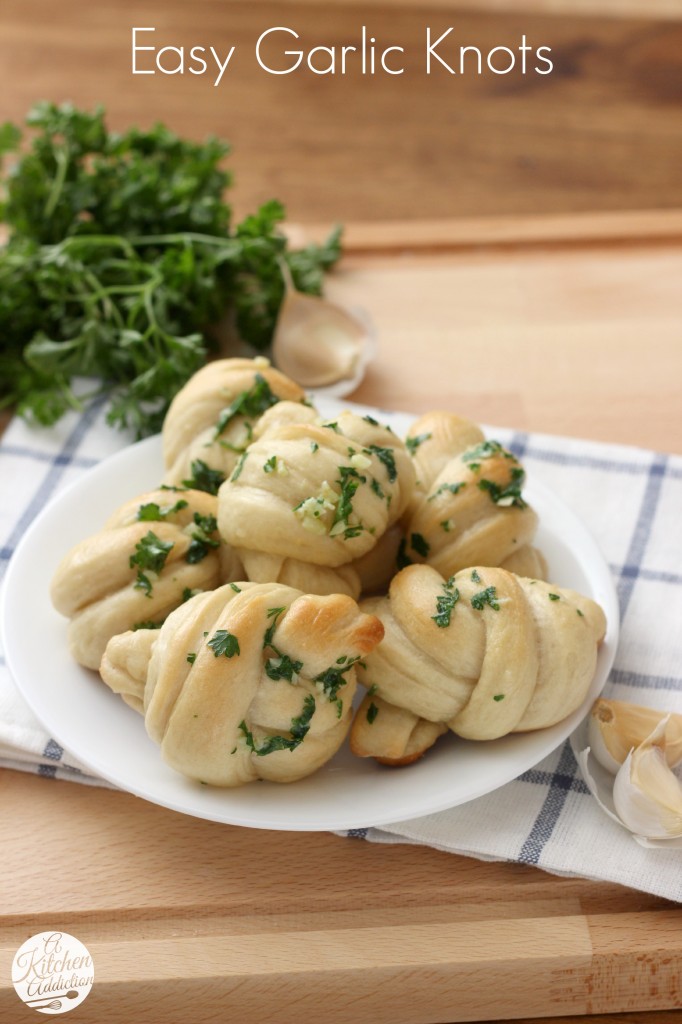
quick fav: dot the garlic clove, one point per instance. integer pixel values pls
(318, 343)
(647, 796)
(615, 727)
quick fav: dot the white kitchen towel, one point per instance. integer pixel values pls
(631, 500)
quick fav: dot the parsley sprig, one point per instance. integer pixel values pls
(445, 603)
(150, 556)
(121, 255)
(298, 732)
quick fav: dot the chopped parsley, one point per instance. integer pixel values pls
(511, 493)
(314, 447)
(274, 614)
(372, 712)
(445, 603)
(486, 450)
(150, 556)
(554, 597)
(299, 730)
(498, 697)
(192, 657)
(446, 489)
(402, 558)
(371, 420)
(237, 590)
(349, 483)
(270, 465)
(475, 578)
(148, 624)
(202, 541)
(485, 597)
(238, 468)
(152, 512)
(283, 667)
(251, 403)
(419, 544)
(412, 443)
(332, 426)
(332, 679)
(377, 488)
(204, 478)
(224, 642)
(188, 593)
(446, 525)
(372, 690)
(578, 612)
(387, 458)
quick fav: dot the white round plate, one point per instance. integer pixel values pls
(94, 724)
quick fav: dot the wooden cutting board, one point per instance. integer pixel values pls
(560, 325)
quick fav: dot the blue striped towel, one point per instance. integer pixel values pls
(631, 500)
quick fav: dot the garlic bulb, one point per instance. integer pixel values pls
(615, 727)
(647, 796)
(318, 343)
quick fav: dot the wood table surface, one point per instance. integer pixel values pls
(538, 323)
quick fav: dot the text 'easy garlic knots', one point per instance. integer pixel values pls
(151, 555)
(249, 681)
(320, 492)
(485, 653)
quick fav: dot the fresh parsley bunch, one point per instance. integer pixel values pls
(121, 258)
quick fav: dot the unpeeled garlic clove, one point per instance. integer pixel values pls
(316, 342)
(647, 796)
(615, 727)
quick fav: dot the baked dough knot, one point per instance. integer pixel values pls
(210, 421)
(468, 508)
(250, 681)
(485, 653)
(322, 493)
(153, 553)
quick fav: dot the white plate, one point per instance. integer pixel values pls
(93, 723)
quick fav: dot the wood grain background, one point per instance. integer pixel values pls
(600, 133)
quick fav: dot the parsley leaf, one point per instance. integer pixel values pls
(446, 489)
(204, 478)
(224, 642)
(202, 541)
(420, 544)
(412, 443)
(332, 679)
(251, 403)
(152, 512)
(298, 730)
(485, 597)
(387, 457)
(372, 712)
(150, 556)
(445, 603)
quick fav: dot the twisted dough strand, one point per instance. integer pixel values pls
(98, 588)
(191, 429)
(290, 664)
(316, 492)
(470, 510)
(485, 653)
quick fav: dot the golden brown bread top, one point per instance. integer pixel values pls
(485, 652)
(199, 423)
(316, 492)
(247, 681)
(153, 552)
